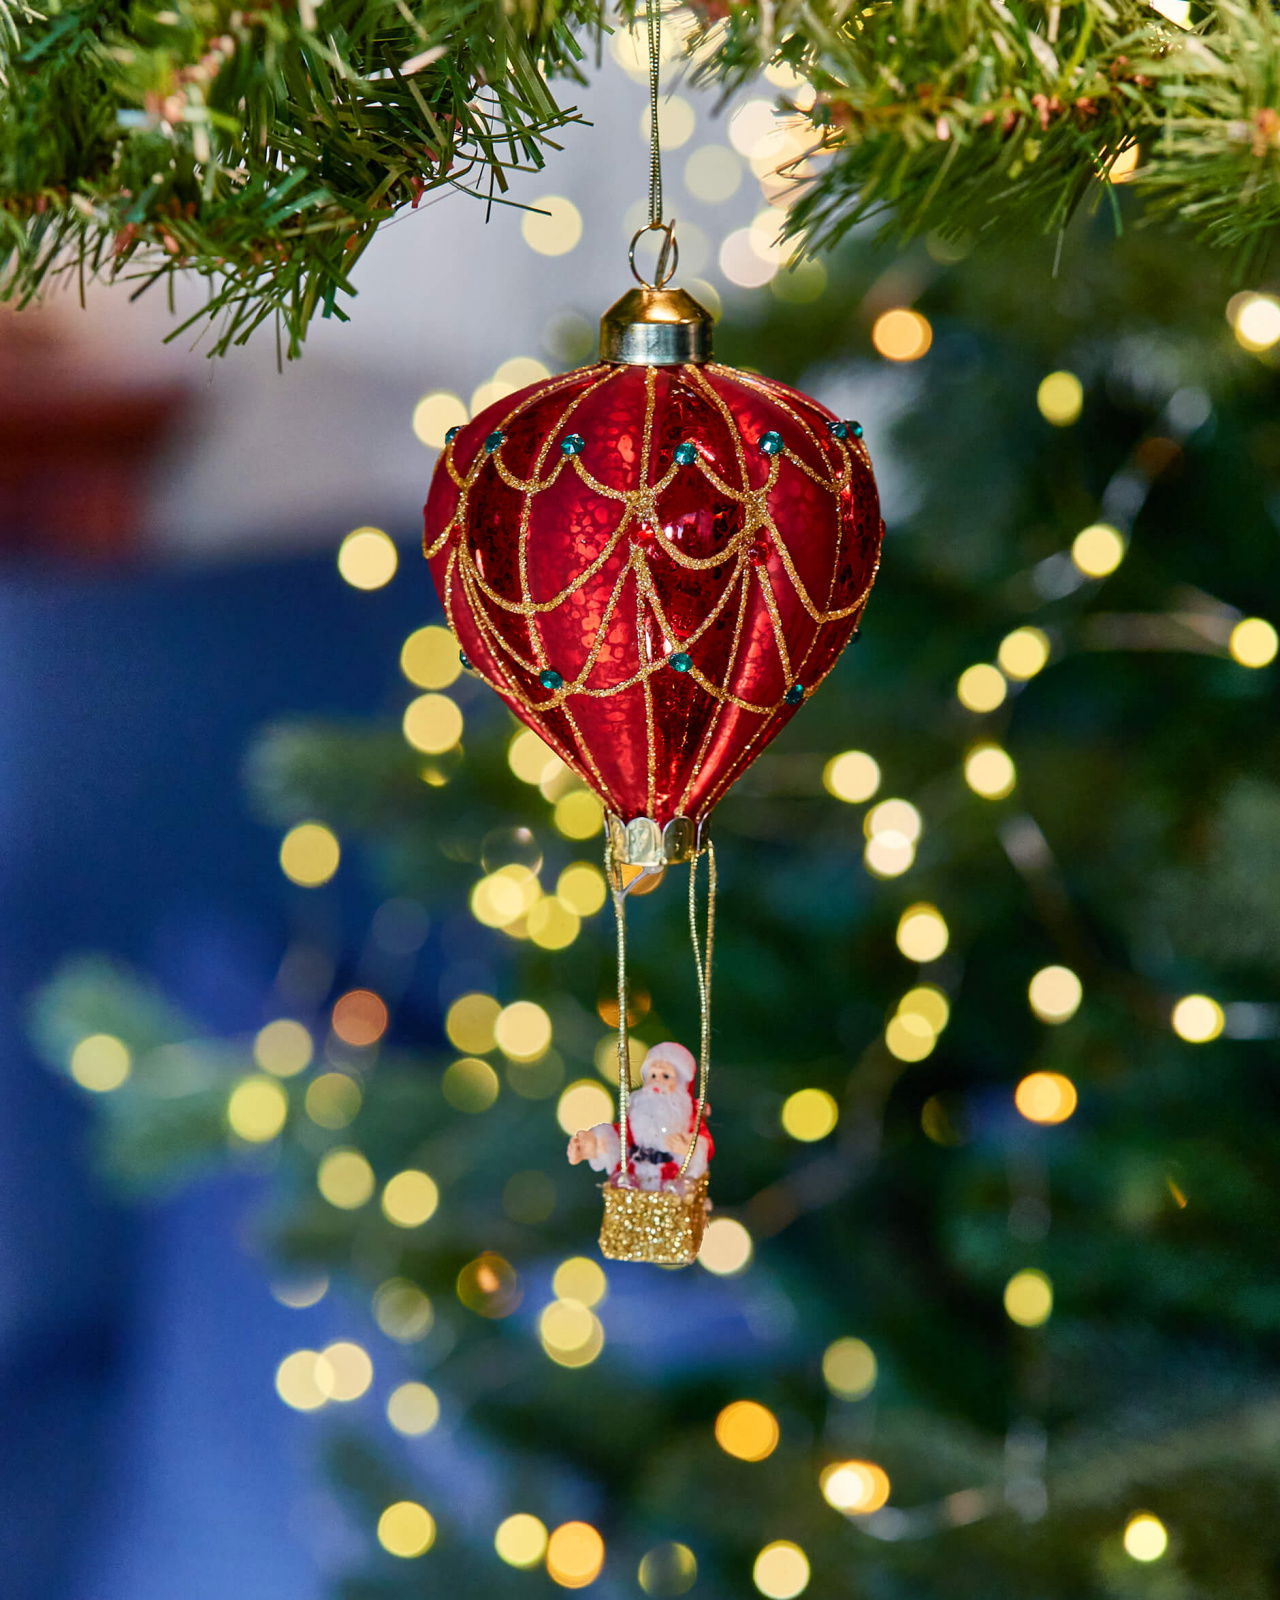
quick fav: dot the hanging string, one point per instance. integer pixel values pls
(653, 20)
(613, 876)
(702, 951)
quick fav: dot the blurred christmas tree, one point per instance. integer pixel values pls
(988, 1306)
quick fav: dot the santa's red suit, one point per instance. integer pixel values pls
(654, 1113)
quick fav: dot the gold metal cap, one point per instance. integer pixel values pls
(655, 328)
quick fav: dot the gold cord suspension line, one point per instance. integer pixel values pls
(653, 20)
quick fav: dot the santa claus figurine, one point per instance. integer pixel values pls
(660, 1127)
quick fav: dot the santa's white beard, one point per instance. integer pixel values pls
(652, 1114)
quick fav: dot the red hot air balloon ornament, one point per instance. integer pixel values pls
(655, 560)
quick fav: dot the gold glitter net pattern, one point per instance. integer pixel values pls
(655, 1226)
(639, 508)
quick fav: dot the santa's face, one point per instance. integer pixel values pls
(661, 1075)
(662, 1105)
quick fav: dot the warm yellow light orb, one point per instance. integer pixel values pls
(469, 1023)
(809, 1114)
(1098, 549)
(429, 658)
(552, 226)
(910, 1036)
(1060, 398)
(922, 933)
(256, 1109)
(989, 771)
(304, 1380)
(667, 1569)
(1055, 994)
(901, 334)
(410, 1198)
(432, 723)
(332, 1100)
(582, 888)
(100, 1062)
(470, 1085)
(571, 1333)
(435, 414)
(581, 1279)
(402, 1311)
(855, 1487)
(347, 1372)
(553, 925)
(1254, 642)
(927, 1002)
(521, 1540)
(894, 816)
(1197, 1018)
(345, 1179)
(852, 776)
(523, 1031)
(575, 1555)
(849, 1367)
(1047, 1097)
(726, 1247)
(1023, 653)
(367, 558)
(1028, 1298)
(584, 1104)
(1255, 320)
(284, 1047)
(309, 854)
(406, 1529)
(578, 814)
(1145, 1537)
(412, 1409)
(981, 687)
(781, 1570)
(747, 1430)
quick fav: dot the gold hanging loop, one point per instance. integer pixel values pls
(668, 255)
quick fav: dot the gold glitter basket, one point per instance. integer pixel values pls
(654, 1225)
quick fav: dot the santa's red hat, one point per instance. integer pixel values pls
(676, 1057)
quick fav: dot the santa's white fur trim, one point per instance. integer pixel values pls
(676, 1057)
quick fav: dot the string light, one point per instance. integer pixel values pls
(332, 1100)
(367, 558)
(303, 1380)
(575, 1555)
(1047, 1097)
(582, 888)
(410, 1198)
(1145, 1537)
(309, 854)
(429, 658)
(359, 1017)
(1125, 163)
(402, 1311)
(531, 758)
(1255, 320)
(809, 1114)
(571, 1333)
(927, 1002)
(432, 723)
(1023, 653)
(469, 1023)
(521, 1540)
(345, 1179)
(909, 1037)
(470, 1085)
(1197, 1018)
(1098, 549)
(1060, 398)
(435, 414)
(413, 1409)
(284, 1048)
(849, 1368)
(503, 898)
(553, 225)
(922, 933)
(852, 776)
(298, 1294)
(256, 1109)
(581, 1279)
(713, 174)
(726, 1248)
(747, 1430)
(667, 1569)
(584, 1104)
(578, 814)
(552, 925)
(855, 1487)
(1028, 1298)
(100, 1062)
(489, 1286)
(751, 123)
(781, 1570)
(522, 1031)
(981, 688)
(989, 771)
(901, 334)
(1254, 642)
(346, 1372)
(742, 263)
(1055, 994)
(406, 1529)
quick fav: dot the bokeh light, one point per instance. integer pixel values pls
(1047, 1097)
(849, 1367)
(432, 723)
(1145, 1537)
(927, 1002)
(571, 1333)
(531, 758)
(489, 1286)
(333, 1099)
(1125, 162)
(667, 1569)
(309, 854)
(909, 1036)
(981, 687)
(522, 1031)
(726, 1248)
(403, 1311)
(852, 776)
(100, 1062)
(504, 898)
(469, 1023)
(855, 1487)
(406, 1529)
(470, 1085)
(367, 558)
(1060, 398)
(552, 925)
(429, 658)
(1255, 320)
(410, 1198)
(578, 814)
(346, 1370)
(1024, 652)
(1098, 549)
(1055, 994)
(413, 1409)
(1197, 1018)
(359, 1017)
(747, 1430)
(581, 1279)
(284, 1047)
(901, 334)
(1028, 1298)
(521, 1540)
(989, 771)
(893, 816)
(809, 1114)
(435, 414)
(582, 888)
(553, 227)
(922, 933)
(584, 1104)
(713, 174)
(575, 1555)
(1254, 642)
(304, 1380)
(345, 1179)
(781, 1570)
(257, 1109)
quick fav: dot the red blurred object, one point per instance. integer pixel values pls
(654, 566)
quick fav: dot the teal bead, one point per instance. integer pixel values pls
(770, 443)
(493, 441)
(855, 428)
(573, 444)
(462, 656)
(549, 678)
(838, 430)
(680, 661)
(686, 453)
(452, 434)
(795, 694)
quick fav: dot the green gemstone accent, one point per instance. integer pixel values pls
(573, 444)
(838, 430)
(856, 429)
(680, 661)
(795, 694)
(452, 433)
(549, 678)
(686, 453)
(770, 443)
(493, 441)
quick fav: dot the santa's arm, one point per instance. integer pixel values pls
(599, 1146)
(698, 1161)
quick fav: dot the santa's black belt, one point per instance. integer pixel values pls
(654, 1158)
